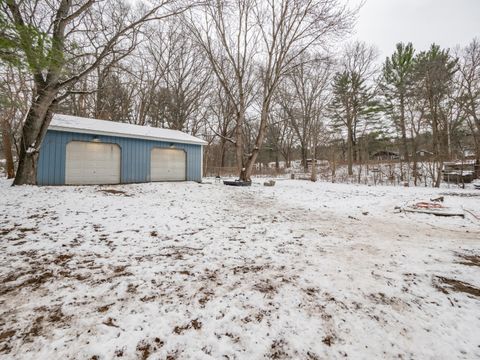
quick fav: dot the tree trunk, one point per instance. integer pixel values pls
(314, 165)
(286, 156)
(404, 130)
(436, 138)
(34, 129)
(239, 144)
(415, 162)
(7, 148)
(350, 151)
(477, 157)
(303, 151)
(333, 165)
(222, 152)
(438, 180)
(246, 172)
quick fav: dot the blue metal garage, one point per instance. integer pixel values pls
(89, 151)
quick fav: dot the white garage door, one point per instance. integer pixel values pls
(92, 163)
(168, 165)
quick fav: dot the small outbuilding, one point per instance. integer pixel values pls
(424, 154)
(385, 155)
(77, 151)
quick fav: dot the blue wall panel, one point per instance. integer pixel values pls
(135, 155)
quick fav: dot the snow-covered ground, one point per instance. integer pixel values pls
(203, 271)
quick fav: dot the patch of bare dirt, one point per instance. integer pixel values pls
(328, 340)
(110, 322)
(6, 231)
(62, 259)
(146, 347)
(205, 295)
(469, 260)
(244, 269)
(7, 334)
(277, 350)
(266, 287)
(312, 356)
(311, 291)
(34, 281)
(27, 229)
(447, 285)
(381, 298)
(104, 308)
(49, 319)
(5, 341)
(195, 324)
(114, 192)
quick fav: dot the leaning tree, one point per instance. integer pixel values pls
(59, 43)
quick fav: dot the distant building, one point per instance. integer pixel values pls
(385, 155)
(422, 153)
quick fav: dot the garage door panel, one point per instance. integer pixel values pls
(92, 163)
(168, 165)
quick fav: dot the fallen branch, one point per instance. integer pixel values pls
(471, 213)
(434, 212)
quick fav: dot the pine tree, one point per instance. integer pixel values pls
(396, 87)
(353, 106)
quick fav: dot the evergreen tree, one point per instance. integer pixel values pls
(354, 106)
(396, 87)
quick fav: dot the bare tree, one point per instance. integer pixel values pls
(303, 98)
(469, 88)
(222, 124)
(288, 28)
(280, 136)
(184, 75)
(71, 32)
(435, 71)
(225, 33)
(15, 93)
(267, 36)
(414, 116)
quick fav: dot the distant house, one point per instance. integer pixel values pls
(385, 155)
(422, 153)
(88, 151)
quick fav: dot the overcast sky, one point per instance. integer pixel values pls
(445, 22)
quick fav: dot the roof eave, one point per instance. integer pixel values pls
(109, 133)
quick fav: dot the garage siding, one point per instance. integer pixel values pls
(135, 157)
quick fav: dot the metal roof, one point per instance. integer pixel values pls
(83, 125)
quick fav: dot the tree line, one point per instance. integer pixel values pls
(245, 75)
